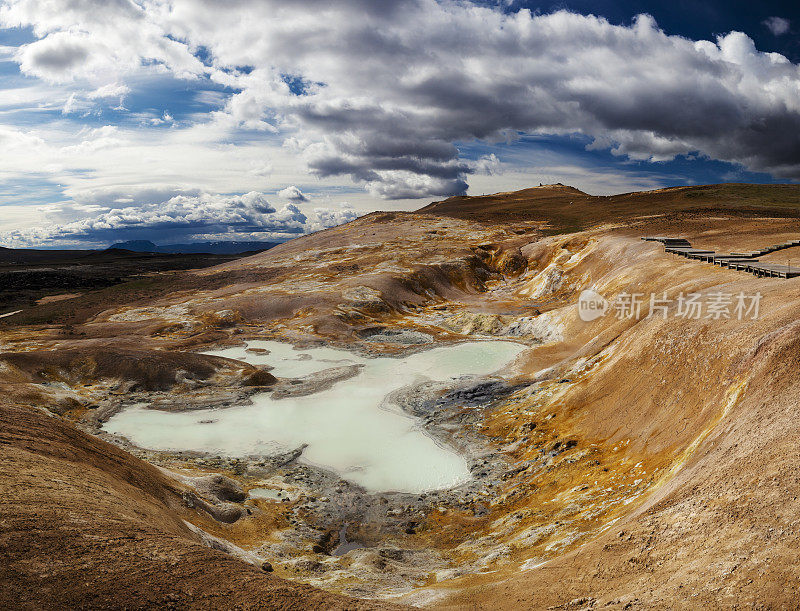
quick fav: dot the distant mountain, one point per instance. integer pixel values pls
(216, 248)
(135, 246)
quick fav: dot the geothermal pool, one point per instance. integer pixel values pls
(352, 428)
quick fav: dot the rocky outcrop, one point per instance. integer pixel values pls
(135, 368)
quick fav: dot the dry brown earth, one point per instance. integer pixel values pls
(653, 463)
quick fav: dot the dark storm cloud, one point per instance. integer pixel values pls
(391, 88)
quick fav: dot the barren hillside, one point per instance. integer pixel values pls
(628, 461)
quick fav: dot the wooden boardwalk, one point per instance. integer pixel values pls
(741, 261)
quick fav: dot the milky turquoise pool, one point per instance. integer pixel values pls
(351, 428)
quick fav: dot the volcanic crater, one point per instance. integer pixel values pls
(623, 461)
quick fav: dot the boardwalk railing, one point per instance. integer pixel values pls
(742, 261)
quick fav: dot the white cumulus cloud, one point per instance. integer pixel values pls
(293, 194)
(249, 216)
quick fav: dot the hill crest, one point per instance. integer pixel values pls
(566, 208)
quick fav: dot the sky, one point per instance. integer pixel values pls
(203, 120)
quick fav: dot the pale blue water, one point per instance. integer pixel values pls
(350, 428)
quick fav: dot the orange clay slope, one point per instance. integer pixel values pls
(86, 525)
(650, 461)
(703, 412)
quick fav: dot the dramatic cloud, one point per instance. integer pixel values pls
(383, 92)
(95, 39)
(777, 25)
(384, 101)
(389, 94)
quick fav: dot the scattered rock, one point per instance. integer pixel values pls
(227, 513)
(406, 337)
(220, 488)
